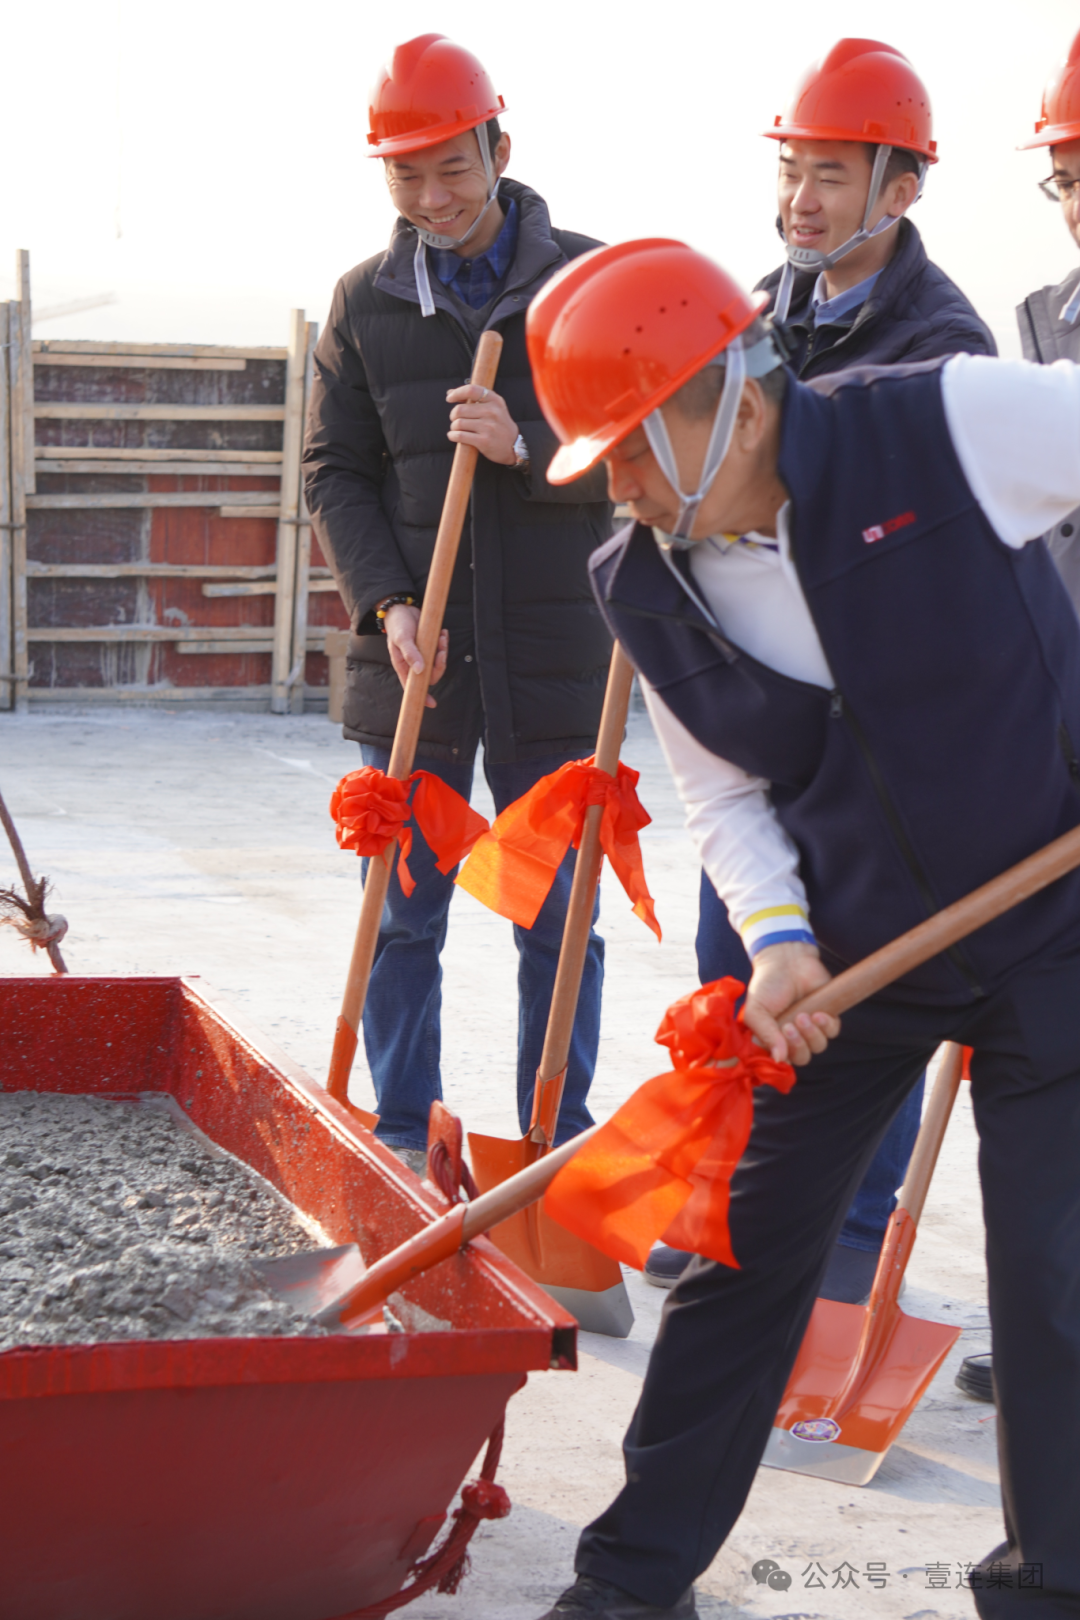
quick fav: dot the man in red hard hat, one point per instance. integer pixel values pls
(856, 288)
(865, 673)
(523, 661)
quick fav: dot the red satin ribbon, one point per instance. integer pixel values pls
(372, 811)
(513, 866)
(660, 1169)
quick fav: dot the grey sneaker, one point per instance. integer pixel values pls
(414, 1159)
(599, 1600)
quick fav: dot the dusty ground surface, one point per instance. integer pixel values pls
(201, 843)
(119, 1221)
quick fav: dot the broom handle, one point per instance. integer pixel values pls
(943, 929)
(406, 736)
(575, 940)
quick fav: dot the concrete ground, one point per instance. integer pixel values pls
(200, 843)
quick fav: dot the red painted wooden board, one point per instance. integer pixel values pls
(244, 1479)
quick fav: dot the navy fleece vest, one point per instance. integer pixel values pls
(947, 751)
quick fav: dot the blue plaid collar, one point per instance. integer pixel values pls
(476, 281)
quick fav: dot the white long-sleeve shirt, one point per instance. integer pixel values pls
(1016, 431)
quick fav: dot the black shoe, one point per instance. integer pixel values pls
(976, 1377)
(601, 1601)
(849, 1276)
(665, 1266)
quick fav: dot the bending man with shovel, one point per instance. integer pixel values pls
(870, 708)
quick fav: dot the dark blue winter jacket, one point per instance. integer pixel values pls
(914, 312)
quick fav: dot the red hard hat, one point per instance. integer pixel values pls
(617, 331)
(1059, 120)
(429, 92)
(861, 91)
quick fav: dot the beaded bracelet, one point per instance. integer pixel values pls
(401, 600)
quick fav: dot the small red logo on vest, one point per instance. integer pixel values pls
(880, 530)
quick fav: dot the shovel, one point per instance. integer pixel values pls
(862, 1370)
(450, 1232)
(406, 736)
(584, 1281)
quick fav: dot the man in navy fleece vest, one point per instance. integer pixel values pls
(865, 673)
(856, 288)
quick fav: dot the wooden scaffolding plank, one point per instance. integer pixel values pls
(248, 697)
(265, 587)
(143, 362)
(141, 633)
(184, 351)
(292, 444)
(7, 674)
(96, 453)
(300, 641)
(164, 469)
(20, 374)
(315, 641)
(22, 278)
(159, 413)
(256, 500)
(162, 571)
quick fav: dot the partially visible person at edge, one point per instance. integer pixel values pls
(523, 660)
(856, 288)
(1050, 318)
(867, 718)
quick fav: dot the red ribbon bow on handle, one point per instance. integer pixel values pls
(660, 1169)
(513, 866)
(372, 811)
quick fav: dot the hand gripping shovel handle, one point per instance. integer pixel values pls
(446, 1236)
(453, 1230)
(410, 717)
(943, 929)
(551, 1074)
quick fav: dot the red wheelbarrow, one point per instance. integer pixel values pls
(245, 1479)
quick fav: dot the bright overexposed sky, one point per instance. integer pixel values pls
(224, 141)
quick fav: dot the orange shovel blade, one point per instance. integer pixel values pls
(547, 1252)
(850, 1446)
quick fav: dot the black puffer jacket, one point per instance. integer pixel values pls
(914, 312)
(528, 648)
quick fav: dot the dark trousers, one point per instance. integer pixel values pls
(728, 1338)
(402, 1013)
(721, 953)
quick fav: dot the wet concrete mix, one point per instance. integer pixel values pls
(119, 1221)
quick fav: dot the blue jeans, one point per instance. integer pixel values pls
(720, 952)
(402, 1035)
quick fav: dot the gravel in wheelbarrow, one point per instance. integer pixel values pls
(120, 1221)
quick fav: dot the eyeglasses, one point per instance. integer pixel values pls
(1058, 189)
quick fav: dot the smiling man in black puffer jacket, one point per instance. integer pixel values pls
(525, 651)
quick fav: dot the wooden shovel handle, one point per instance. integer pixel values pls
(943, 929)
(410, 718)
(449, 1233)
(575, 940)
(931, 1135)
